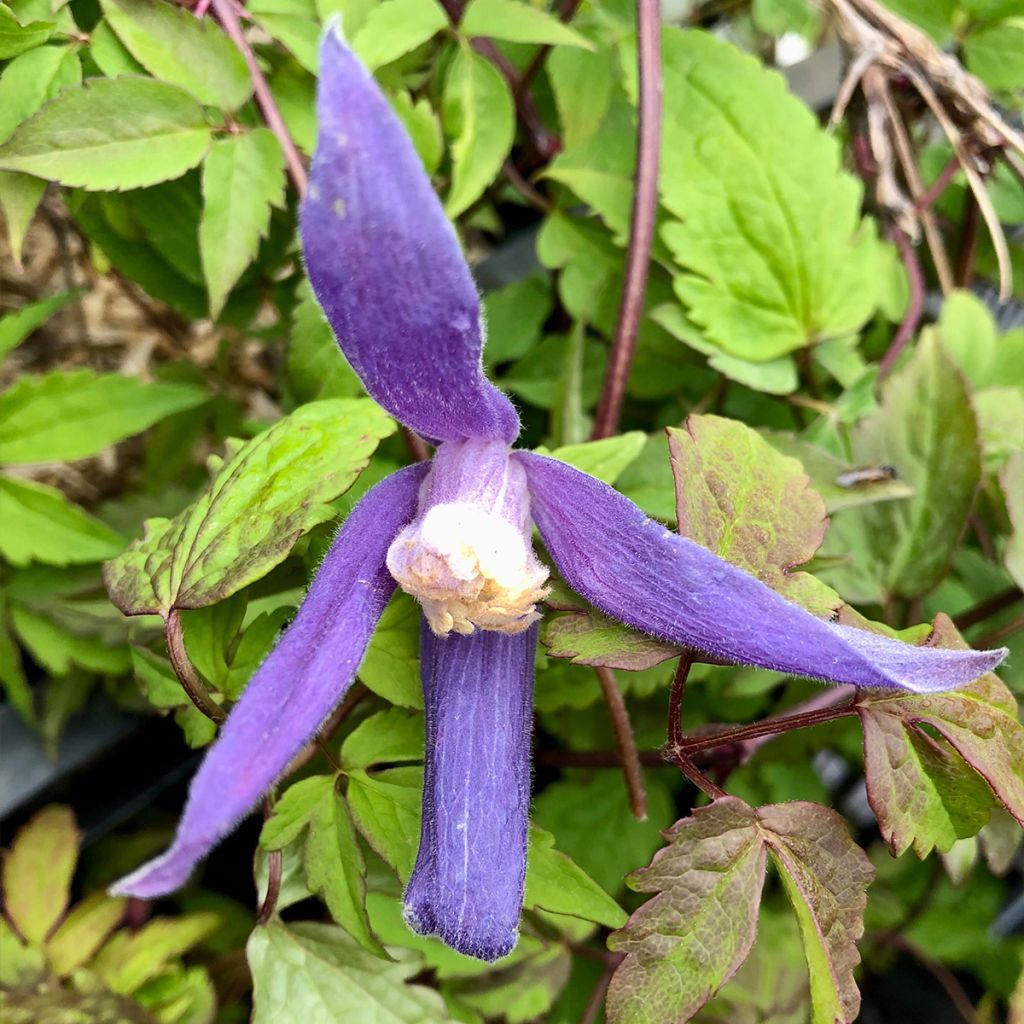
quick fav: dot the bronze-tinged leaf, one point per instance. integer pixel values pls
(51, 1003)
(740, 498)
(928, 793)
(693, 935)
(592, 638)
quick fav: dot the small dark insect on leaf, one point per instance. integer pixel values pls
(863, 476)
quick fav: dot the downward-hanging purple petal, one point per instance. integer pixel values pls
(635, 570)
(295, 689)
(387, 268)
(467, 886)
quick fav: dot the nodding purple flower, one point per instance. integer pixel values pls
(456, 534)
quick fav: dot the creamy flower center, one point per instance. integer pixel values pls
(467, 557)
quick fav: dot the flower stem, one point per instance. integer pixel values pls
(274, 864)
(185, 671)
(677, 747)
(228, 17)
(641, 231)
(915, 305)
(625, 742)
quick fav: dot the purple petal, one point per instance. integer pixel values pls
(634, 569)
(295, 689)
(387, 268)
(467, 886)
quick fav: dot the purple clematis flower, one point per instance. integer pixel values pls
(456, 534)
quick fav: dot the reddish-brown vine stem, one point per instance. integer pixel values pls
(184, 670)
(915, 304)
(274, 865)
(645, 208)
(677, 743)
(625, 742)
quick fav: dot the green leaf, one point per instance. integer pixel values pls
(386, 807)
(21, 966)
(110, 54)
(12, 675)
(927, 430)
(934, 16)
(316, 366)
(388, 737)
(772, 252)
(923, 794)
(262, 497)
(396, 27)
(32, 79)
(589, 637)
(19, 198)
(606, 459)
(316, 974)
(243, 177)
(996, 55)
(49, 1003)
(176, 47)
(57, 648)
(83, 931)
(424, 128)
(738, 497)
(111, 133)
(391, 665)
(582, 83)
(479, 115)
(77, 414)
(686, 942)
(131, 958)
(293, 25)
(41, 525)
(555, 883)
(37, 872)
(160, 685)
(16, 38)
(334, 863)
(518, 22)
(514, 316)
(1012, 482)
(17, 326)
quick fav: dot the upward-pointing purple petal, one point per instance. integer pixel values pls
(295, 689)
(387, 268)
(635, 570)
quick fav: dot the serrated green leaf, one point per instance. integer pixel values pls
(16, 38)
(518, 22)
(514, 316)
(316, 366)
(20, 195)
(110, 54)
(921, 793)
(292, 25)
(388, 737)
(176, 47)
(41, 525)
(51, 1003)
(386, 807)
(391, 665)
(927, 430)
(20, 965)
(557, 884)
(262, 497)
(37, 872)
(17, 326)
(396, 27)
(771, 247)
(83, 931)
(736, 496)
(76, 414)
(316, 974)
(479, 116)
(58, 648)
(996, 55)
(28, 82)
(589, 637)
(243, 177)
(606, 459)
(111, 133)
(582, 83)
(423, 126)
(12, 674)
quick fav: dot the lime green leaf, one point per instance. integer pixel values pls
(772, 251)
(19, 198)
(514, 316)
(41, 525)
(582, 83)
(12, 675)
(37, 872)
(317, 974)
(162, 689)
(20, 965)
(176, 47)
(396, 27)
(554, 882)
(934, 16)
(996, 55)
(316, 366)
(388, 737)
(479, 115)
(111, 133)
(110, 54)
(334, 863)
(518, 22)
(738, 497)
(1012, 481)
(386, 807)
(243, 177)
(293, 25)
(29, 81)
(83, 931)
(424, 128)
(686, 942)
(262, 497)
(922, 793)
(589, 637)
(606, 459)
(77, 414)
(16, 38)
(130, 959)
(391, 665)
(927, 430)
(17, 326)
(58, 648)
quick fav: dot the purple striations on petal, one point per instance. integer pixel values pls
(468, 557)
(387, 268)
(634, 569)
(467, 886)
(295, 689)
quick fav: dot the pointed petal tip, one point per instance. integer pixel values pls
(488, 940)
(158, 877)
